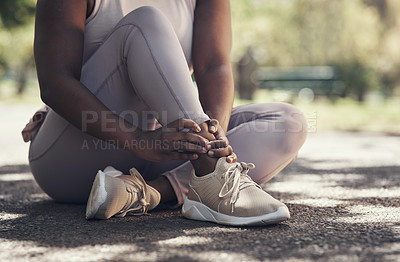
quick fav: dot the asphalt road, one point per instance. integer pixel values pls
(343, 193)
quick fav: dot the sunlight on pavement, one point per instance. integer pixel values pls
(16, 177)
(386, 248)
(319, 202)
(215, 229)
(8, 216)
(370, 213)
(5, 196)
(349, 150)
(324, 186)
(23, 250)
(333, 190)
(221, 256)
(184, 241)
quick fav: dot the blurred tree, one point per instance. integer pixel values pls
(388, 62)
(382, 6)
(245, 69)
(16, 38)
(16, 12)
(358, 79)
(361, 36)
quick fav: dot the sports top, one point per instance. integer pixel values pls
(107, 13)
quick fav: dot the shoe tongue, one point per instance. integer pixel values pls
(246, 181)
(222, 166)
(152, 196)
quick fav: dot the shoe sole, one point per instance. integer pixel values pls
(198, 211)
(97, 197)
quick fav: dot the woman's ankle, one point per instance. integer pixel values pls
(164, 187)
(204, 164)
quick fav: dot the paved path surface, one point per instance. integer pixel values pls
(343, 193)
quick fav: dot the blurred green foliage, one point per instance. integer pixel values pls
(16, 39)
(16, 12)
(360, 37)
(358, 78)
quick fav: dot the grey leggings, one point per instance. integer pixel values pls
(140, 73)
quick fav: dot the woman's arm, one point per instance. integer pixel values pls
(59, 34)
(58, 49)
(212, 41)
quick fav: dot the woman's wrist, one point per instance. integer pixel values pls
(133, 140)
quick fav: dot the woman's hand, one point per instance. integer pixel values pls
(173, 142)
(220, 147)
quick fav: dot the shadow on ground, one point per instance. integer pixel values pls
(342, 214)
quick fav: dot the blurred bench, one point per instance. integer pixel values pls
(311, 80)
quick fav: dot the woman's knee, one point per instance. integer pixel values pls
(286, 123)
(295, 125)
(147, 18)
(294, 119)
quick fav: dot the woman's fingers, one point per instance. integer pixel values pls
(185, 136)
(183, 123)
(232, 158)
(217, 144)
(216, 129)
(213, 126)
(179, 144)
(182, 156)
(190, 124)
(220, 152)
(187, 147)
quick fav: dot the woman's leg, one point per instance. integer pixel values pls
(159, 74)
(144, 48)
(268, 135)
(140, 58)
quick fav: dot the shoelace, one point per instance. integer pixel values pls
(233, 177)
(143, 205)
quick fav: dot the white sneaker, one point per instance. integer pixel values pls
(229, 196)
(115, 194)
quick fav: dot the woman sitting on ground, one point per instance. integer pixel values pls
(117, 77)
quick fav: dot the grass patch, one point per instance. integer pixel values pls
(344, 114)
(348, 115)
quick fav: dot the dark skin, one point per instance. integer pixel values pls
(212, 43)
(58, 49)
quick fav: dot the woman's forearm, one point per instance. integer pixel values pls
(216, 92)
(58, 48)
(212, 43)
